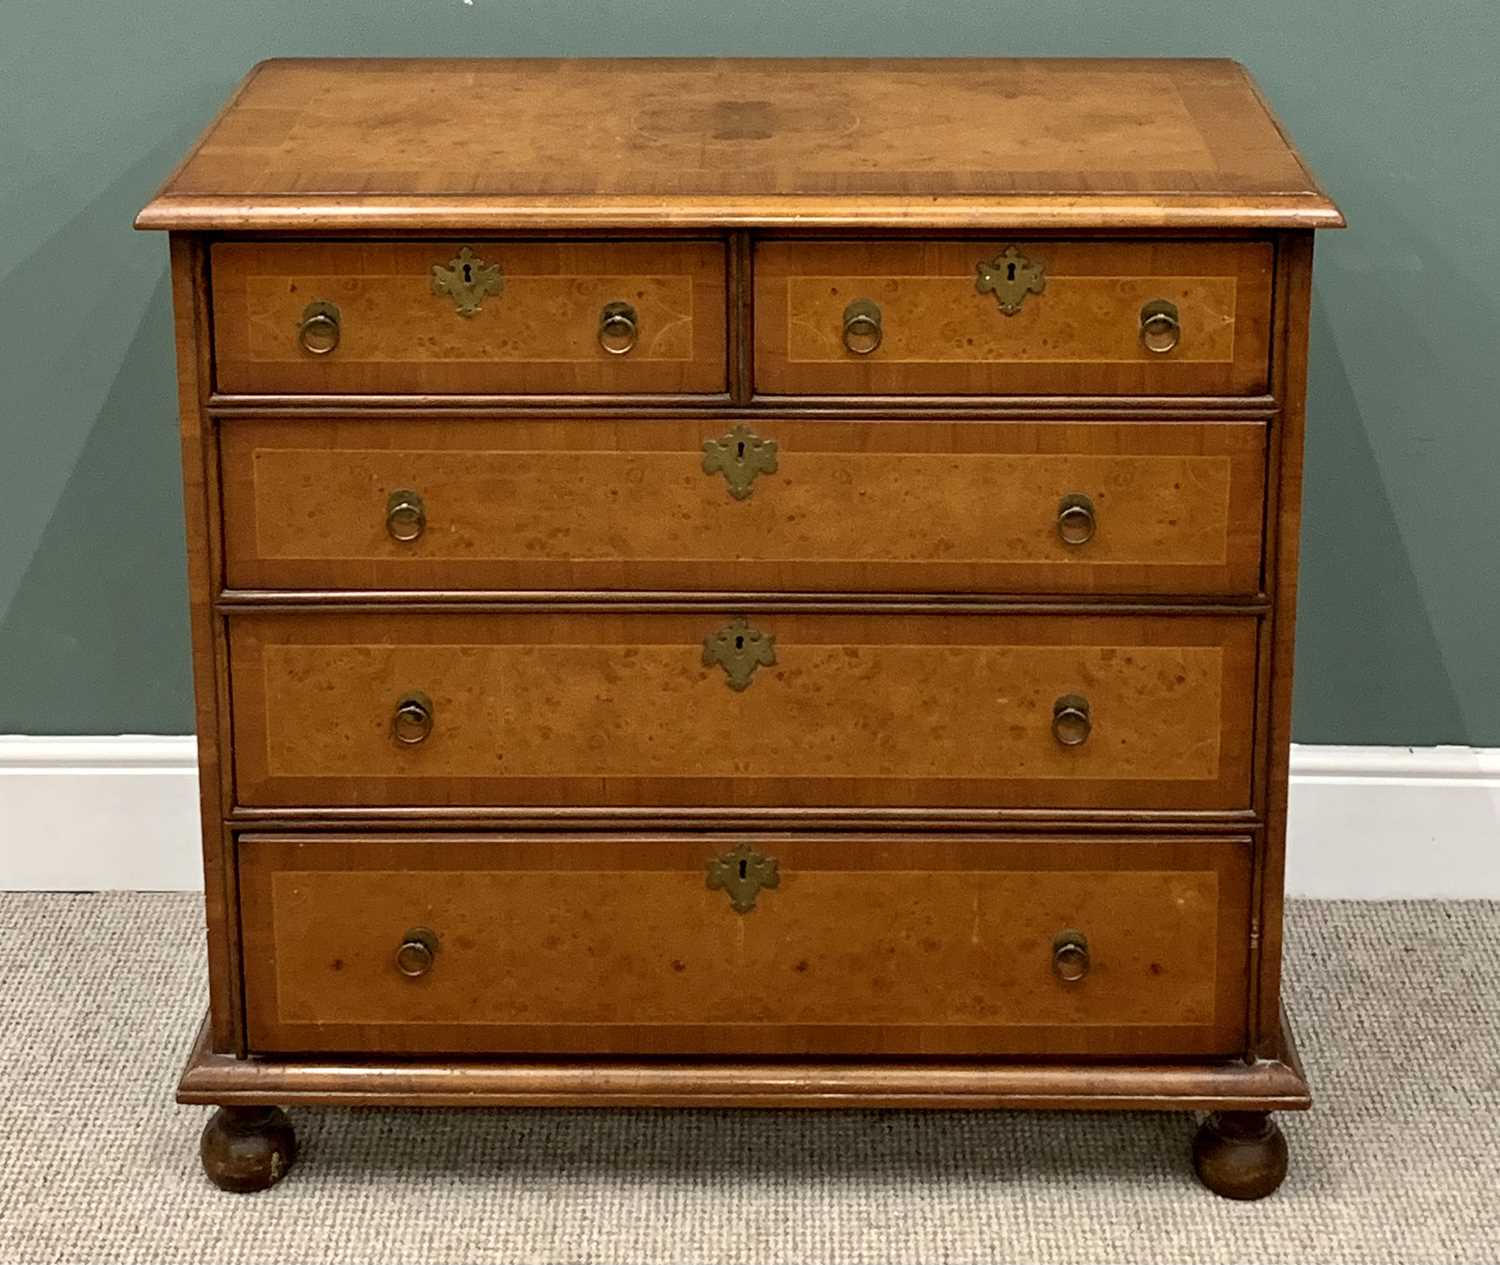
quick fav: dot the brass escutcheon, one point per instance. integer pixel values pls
(1010, 277)
(739, 456)
(743, 873)
(739, 649)
(466, 279)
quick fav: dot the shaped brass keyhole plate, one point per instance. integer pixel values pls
(467, 279)
(739, 456)
(743, 873)
(739, 649)
(1010, 277)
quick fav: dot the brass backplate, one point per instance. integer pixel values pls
(466, 279)
(739, 456)
(743, 873)
(1010, 277)
(739, 649)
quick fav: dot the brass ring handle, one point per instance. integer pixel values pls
(1072, 720)
(318, 331)
(1160, 329)
(416, 953)
(405, 515)
(412, 722)
(619, 329)
(1076, 521)
(1070, 956)
(863, 330)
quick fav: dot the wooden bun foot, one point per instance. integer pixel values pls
(245, 1149)
(1240, 1154)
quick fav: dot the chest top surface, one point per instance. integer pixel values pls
(350, 145)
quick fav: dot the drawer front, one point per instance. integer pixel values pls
(694, 709)
(1062, 507)
(864, 945)
(1079, 332)
(401, 326)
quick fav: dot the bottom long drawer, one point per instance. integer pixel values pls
(872, 945)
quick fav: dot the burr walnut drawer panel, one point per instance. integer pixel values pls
(1003, 318)
(1066, 507)
(445, 317)
(855, 945)
(701, 709)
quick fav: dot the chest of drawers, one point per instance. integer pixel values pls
(778, 594)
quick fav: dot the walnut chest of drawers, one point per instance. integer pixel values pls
(734, 582)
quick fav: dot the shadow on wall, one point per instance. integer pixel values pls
(1360, 608)
(94, 637)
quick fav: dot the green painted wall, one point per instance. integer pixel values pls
(1394, 103)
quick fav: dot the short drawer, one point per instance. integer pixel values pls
(852, 945)
(1012, 318)
(769, 505)
(699, 709)
(483, 317)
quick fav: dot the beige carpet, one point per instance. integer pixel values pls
(1399, 1016)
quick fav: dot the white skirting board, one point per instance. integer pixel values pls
(1367, 823)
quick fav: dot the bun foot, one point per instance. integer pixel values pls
(245, 1149)
(1240, 1154)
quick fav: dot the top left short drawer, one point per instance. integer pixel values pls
(449, 317)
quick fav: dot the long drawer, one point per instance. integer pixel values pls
(781, 709)
(773, 505)
(447, 317)
(1007, 318)
(854, 945)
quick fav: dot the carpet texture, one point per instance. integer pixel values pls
(1398, 1014)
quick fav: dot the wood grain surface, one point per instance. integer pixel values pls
(852, 506)
(539, 334)
(866, 945)
(591, 710)
(1080, 335)
(983, 141)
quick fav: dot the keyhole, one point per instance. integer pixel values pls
(1010, 272)
(744, 869)
(469, 274)
(739, 644)
(740, 450)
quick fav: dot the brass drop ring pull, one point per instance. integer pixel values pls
(862, 327)
(1070, 956)
(417, 952)
(405, 515)
(412, 722)
(318, 331)
(1071, 720)
(619, 329)
(1075, 519)
(1160, 329)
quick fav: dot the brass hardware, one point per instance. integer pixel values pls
(739, 649)
(739, 456)
(1072, 720)
(466, 279)
(1075, 519)
(413, 719)
(1010, 277)
(1160, 329)
(863, 330)
(405, 515)
(743, 873)
(1070, 956)
(318, 331)
(418, 950)
(618, 329)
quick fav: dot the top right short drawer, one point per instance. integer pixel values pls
(1134, 318)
